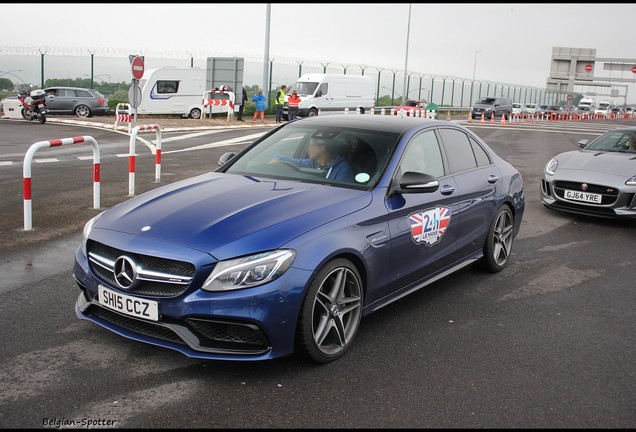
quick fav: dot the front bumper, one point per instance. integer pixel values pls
(619, 204)
(250, 324)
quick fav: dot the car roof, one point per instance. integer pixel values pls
(385, 123)
(68, 88)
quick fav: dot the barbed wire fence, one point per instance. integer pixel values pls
(461, 92)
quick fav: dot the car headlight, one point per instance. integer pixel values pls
(87, 230)
(249, 271)
(631, 181)
(551, 166)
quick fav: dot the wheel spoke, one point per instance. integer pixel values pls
(326, 329)
(349, 304)
(335, 290)
(340, 331)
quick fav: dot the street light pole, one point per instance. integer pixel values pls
(406, 59)
(472, 84)
(12, 74)
(266, 52)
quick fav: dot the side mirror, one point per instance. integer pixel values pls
(414, 182)
(583, 143)
(226, 157)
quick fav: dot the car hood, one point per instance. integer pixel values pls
(612, 163)
(228, 215)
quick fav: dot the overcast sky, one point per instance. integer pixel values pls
(515, 40)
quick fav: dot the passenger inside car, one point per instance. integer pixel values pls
(321, 155)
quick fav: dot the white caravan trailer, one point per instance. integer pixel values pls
(332, 92)
(174, 91)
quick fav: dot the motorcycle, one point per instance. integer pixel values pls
(33, 105)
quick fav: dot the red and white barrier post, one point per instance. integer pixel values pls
(124, 115)
(26, 172)
(132, 155)
(229, 103)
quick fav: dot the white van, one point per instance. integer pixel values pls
(332, 92)
(171, 90)
(604, 108)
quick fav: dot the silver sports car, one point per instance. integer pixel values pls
(598, 180)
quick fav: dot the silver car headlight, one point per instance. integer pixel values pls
(551, 166)
(249, 271)
(631, 181)
(87, 230)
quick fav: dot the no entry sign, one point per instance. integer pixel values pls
(588, 67)
(137, 66)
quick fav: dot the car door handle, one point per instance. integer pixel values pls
(447, 190)
(492, 179)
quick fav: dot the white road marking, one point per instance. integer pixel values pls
(228, 142)
(46, 160)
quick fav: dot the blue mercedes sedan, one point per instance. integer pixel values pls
(288, 244)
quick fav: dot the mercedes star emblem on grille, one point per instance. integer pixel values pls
(124, 271)
(584, 186)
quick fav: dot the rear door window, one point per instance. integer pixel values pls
(458, 150)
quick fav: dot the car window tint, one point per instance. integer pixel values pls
(480, 154)
(82, 93)
(66, 93)
(458, 149)
(423, 155)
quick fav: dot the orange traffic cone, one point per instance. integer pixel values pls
(482, 119)
(503, 120)
(492, 118)
(470, 116)
(448, 117)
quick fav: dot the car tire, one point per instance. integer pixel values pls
(331, 312)
(312, 112)
(499, 241)
(195, 113)
(82, 111)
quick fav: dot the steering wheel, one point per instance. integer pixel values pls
(312, 171)
(289, 164)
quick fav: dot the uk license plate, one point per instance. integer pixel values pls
(583, 196)
(129, 305)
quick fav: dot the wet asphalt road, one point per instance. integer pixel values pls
(548, 342)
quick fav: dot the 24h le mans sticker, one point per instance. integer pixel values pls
(429, 226)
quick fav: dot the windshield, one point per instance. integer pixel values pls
(615, 142)
(303, 88)
(603, 106)
(486, 101)
(338, 156)
(531, 106)
(516, 105)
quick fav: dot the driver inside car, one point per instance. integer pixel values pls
(320, 156)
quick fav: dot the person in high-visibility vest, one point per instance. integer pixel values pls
(292, 106)
(280, 102)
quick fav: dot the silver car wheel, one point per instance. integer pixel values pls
(82, 111)
(502, 237)
(336, 311)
